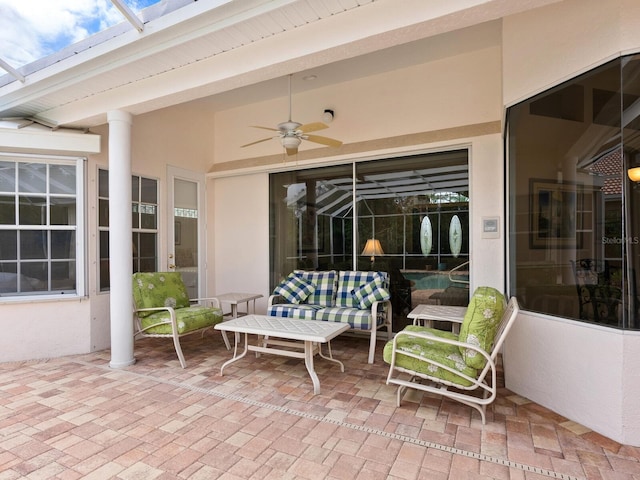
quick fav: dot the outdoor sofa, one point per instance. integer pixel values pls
(359, 298)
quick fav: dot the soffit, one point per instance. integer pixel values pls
(212, 48)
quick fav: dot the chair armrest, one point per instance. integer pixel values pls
(432, 338)
(213, 300)
(172, 318)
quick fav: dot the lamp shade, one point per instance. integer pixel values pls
(634, 174)
(372, 248)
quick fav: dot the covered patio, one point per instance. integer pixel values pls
(74, 417)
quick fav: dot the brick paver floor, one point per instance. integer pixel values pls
(74, 417)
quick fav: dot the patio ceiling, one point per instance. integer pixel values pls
(184, 50)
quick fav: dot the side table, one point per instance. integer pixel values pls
(233, 299)
(426, 314)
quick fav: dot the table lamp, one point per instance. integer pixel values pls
(372, 249)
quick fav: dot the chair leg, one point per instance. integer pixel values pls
(176, 343)
(372, 344)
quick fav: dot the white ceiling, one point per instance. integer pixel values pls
(237, 52)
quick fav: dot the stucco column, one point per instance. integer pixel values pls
(120, 248)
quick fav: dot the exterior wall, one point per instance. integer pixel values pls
(241, 235)
(373, 111)
(582, 372)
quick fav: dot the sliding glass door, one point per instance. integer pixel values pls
(414, 210)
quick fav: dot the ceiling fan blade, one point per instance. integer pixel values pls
(291, 151)
(257, 141)
(265, 128)
(312, 127)
(331, 142)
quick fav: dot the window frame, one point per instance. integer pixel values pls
(78, 228)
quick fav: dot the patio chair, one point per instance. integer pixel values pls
(460, 367)
(162, 309)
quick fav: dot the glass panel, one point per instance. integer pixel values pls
(8, 278)
(63, 244)
(103, 213)
(35, 276)
(7, 177)
(63, 211)
(135, 215)
(32, 210)
(148, 216)
(7, 210)
(630, 243)
(33, 244)
(144, 252)
(103, 183)
(105, 282)
(8, 244)
(149, 191)
(32, 178)
(135, 188)
(569, 248)
(62, 179)
(63, 276)
(186, 246)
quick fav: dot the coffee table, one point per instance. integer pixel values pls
(292, 333)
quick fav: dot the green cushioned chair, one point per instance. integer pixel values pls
(436, 360)
(162, 308)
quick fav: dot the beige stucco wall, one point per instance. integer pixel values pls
(459, 93)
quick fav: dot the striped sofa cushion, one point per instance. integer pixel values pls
(325, 283)
(289, 310)
(350, 280)
(356, 318)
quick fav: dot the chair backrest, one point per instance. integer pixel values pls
(159, 289)
(508, 317)
(480, 323)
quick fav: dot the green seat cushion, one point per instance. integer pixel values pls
(478, 328)
(445, 354)
(159, 289)
(188, 320)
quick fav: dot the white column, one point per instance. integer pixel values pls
(120, 247)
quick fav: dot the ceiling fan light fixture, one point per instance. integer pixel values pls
(289, 141)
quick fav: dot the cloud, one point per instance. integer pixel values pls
(32, 29)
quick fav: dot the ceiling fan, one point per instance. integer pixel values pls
(292, 133)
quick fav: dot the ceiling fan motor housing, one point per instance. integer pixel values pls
(286, 127)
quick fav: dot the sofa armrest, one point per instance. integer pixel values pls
(274, 300)
(382, 307)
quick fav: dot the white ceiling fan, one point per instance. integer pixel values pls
(292, 133)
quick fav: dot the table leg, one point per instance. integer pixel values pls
(237, 357)
(330, 357)
(308, 361)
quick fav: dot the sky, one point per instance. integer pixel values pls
(32, 29)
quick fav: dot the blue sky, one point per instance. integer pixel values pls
(32, 29)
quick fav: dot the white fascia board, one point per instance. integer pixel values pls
(36, 140)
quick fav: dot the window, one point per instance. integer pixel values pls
(41, 249)
(144, 223)
(574, 216)
(417, 207)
